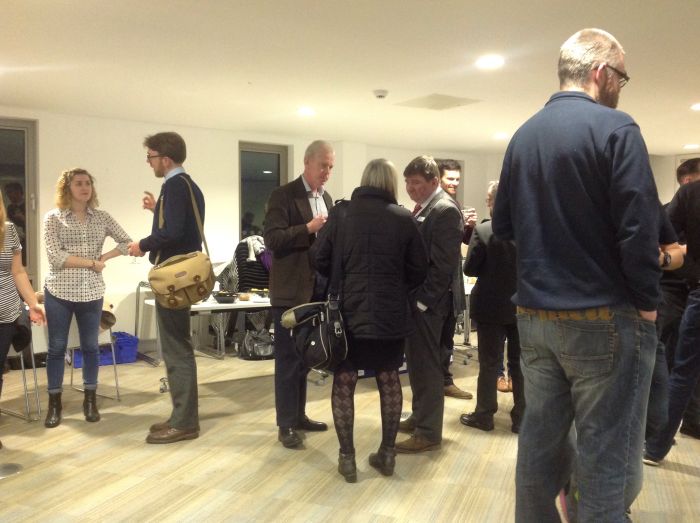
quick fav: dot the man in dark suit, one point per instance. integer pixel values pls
(441, 226)
(295, 213)
(450, 175)
(493, 262)
(177, 234)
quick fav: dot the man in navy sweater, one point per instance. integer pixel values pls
(178, 234)
(578, 197)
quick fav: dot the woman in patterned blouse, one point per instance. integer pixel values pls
(74, 234)
(13, 278)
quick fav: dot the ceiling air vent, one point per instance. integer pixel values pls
(438, 102)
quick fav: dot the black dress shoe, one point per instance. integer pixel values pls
(289, 437)
(690, 429)
(472, 420)
(311, 425)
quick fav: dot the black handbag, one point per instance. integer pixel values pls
(319, 333)
(23, 332)
(317, 327)
(257, 345)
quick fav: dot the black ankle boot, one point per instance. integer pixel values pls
(384, 460)
(53, 415)
(347, 467)
(90, 405)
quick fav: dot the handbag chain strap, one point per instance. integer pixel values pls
(197, 216)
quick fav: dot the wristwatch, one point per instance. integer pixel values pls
(667, 259)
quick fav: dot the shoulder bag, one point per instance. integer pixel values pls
(184, 279)
(317, 327)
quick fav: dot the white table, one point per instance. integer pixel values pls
(220, 312)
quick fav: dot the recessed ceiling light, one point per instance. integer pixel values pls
(695, 107)
(500, 136)
(267, 172)
(490, 62)
(691, 146)
(306, 111)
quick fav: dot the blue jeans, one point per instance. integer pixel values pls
(595, 374)
(684, 376)
(657, 412)
(59, 314)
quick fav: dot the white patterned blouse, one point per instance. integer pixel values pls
(64, 236)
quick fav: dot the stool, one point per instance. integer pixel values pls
(114, 367)
(27, 416)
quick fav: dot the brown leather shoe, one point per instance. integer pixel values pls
(416, 444)
(502, 384)
(407, 425)
(172, 435)
(453, 391)
(157, 427)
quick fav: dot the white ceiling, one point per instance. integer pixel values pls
(248, 65)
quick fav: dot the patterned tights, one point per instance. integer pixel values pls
(343, 405)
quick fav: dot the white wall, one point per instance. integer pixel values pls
(664, 169)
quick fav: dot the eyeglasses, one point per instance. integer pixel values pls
(149, 156)
(622, 81)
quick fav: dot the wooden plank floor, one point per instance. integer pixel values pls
(237, 471)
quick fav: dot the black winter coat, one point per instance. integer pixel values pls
(383, 260)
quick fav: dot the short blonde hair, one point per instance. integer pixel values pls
(583, 52)
(63, 194)
(381, 174)
(492, 189)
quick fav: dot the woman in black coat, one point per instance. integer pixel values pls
(383, 260)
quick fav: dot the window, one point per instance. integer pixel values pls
(262, 166)
(17, 180)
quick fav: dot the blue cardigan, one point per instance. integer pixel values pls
(179, 234)
(578, 197)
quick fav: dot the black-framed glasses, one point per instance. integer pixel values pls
(623, 76)
(149, 156)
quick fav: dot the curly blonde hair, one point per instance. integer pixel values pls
(63, 194)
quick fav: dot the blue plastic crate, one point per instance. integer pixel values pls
(125, 349)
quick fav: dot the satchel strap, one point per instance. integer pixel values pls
(197, 216)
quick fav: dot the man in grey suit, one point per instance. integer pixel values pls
(295, 213)
(441, 226)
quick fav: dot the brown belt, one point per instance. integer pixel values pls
(596, 313)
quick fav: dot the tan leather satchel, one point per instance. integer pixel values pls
(184, 279)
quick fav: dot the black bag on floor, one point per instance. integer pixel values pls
(257, 345)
